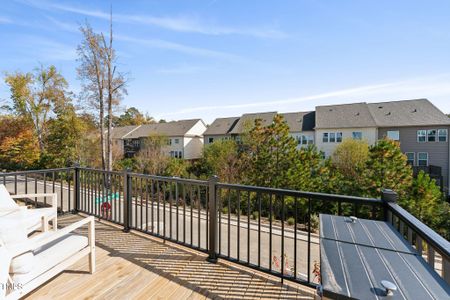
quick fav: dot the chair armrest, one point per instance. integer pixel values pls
(45, 238)
(54, 201)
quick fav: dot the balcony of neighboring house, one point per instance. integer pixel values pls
(435, 173)
(172, 238)
(131, 146)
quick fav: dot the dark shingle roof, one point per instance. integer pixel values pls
(344, 116)
(300, 121)
(119, 132)
(221, 126)
(418, 112)
(175, 128)
(248, 120)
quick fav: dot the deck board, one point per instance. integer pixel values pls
(136, 266)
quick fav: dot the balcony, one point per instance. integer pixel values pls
(164, 236)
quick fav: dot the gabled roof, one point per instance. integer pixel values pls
(300, 121)
(419, 112)
(344, 116)
(174, 128)
(221, 126)
(247, 121)
(120, 132)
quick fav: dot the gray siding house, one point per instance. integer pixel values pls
(422, 130)
(219, 129)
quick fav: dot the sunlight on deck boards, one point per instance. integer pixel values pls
(134, 266)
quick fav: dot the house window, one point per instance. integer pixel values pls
(177, 141)
(393, 135)
(357, 135)
(442, 135)
(421, 136)
(210, 140)
(332, 137)
(304, 140)
(431, 134)
(325, 137)
(410, 156)
(338, 137)
(422, 159)
(310, 139)
(169, 142)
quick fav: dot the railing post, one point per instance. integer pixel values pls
(127, 198)
(212, 203)
(388, 196)
(76, 188)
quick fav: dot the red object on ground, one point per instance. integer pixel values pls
(105, 208)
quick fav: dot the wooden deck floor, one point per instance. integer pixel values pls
(135, 266)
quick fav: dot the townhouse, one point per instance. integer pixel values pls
(183, 139)
(420, 127)
(301, 126)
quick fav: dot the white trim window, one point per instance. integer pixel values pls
(431, 135)
(210, 140)
(332, 137)
(421, 136)
(442, 135)
(177, 141)
(393, 135)
(357, 135)
(410, 158)
(338, 137)
(325, 137)
(422, 159)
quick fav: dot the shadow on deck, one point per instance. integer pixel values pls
(137, 266)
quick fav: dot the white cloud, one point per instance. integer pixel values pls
(436, 88)
(187, 24)
(5, 20)
(180, 70)
(162, 44)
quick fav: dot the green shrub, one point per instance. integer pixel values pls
(255, 215)
(291, 221)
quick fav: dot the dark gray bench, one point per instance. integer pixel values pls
(357, 255)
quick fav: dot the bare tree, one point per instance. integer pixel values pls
(103, 82)
(92, 72)
(115, 87)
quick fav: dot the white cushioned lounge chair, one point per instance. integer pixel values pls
(27, 263)
(35, 218)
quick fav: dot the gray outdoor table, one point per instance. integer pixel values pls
(356, 256)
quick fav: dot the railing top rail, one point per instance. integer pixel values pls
(35, 171)
(301, 194)
(100, 171)
(171, 179)
(439, 243)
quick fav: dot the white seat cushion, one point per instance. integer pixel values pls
(6, 202)
(5, 260)
(32, 217)
(52, 254)
(13, 233)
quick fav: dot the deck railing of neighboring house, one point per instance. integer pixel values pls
(271, 230)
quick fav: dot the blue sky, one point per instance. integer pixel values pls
(213, 58)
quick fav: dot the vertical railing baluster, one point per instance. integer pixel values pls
(45, 188)
(295, 236)
(157, 205)
(229, 222)
(270, 231)
(191, 203)
(15, 184)
(259, 228)
(26, 183)
(177, 210)
(170, 209)
(282, 236)
(309, 240)
(152, 194)
(248, 228)
(219, 206)
(199, 216)
(146, 204)
(238, 224)
(184, 213)
(430, 254)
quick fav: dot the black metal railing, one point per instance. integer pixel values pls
(271, 230)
